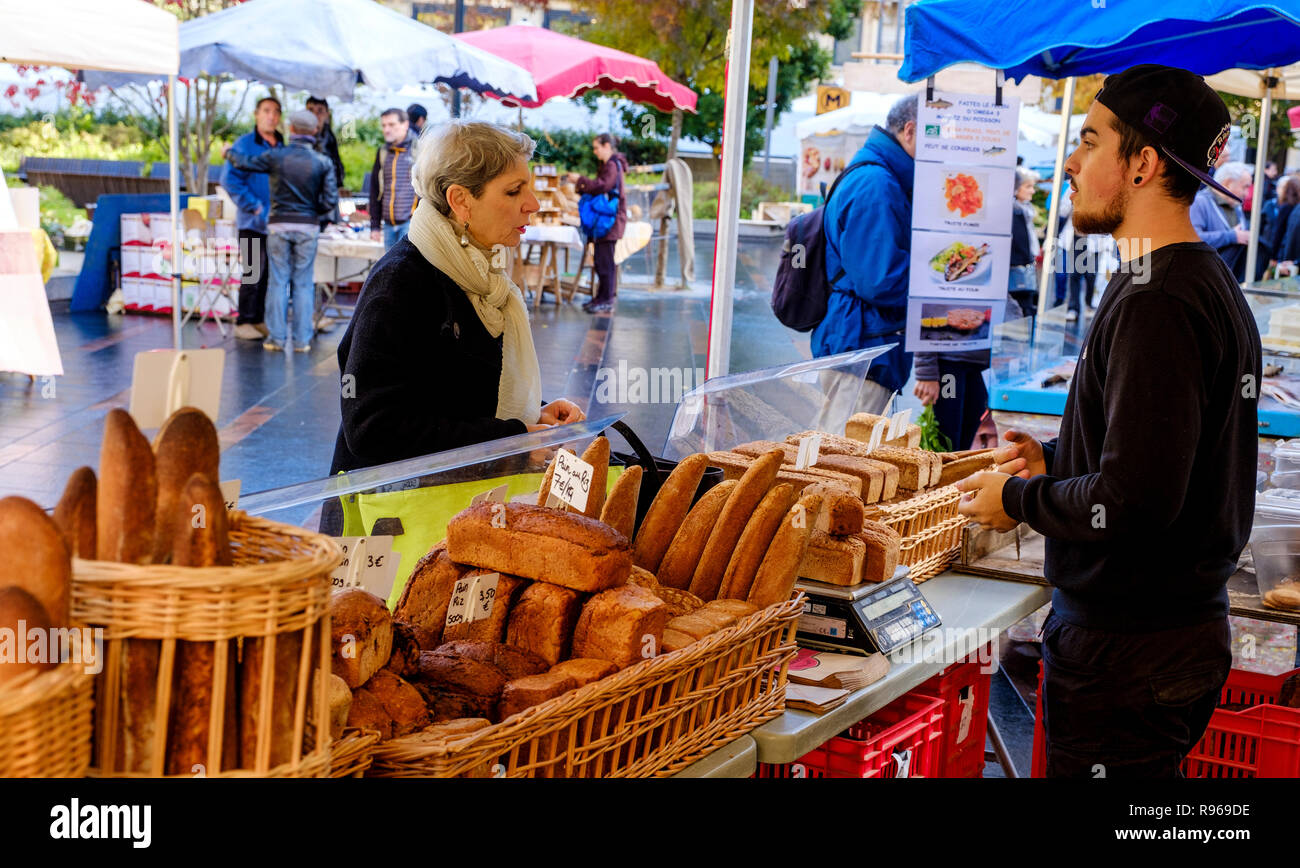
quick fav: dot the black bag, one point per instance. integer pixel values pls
(654, 471)
(801, 290)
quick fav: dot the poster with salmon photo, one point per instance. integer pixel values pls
(954, 198)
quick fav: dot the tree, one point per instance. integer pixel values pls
(1248, 112)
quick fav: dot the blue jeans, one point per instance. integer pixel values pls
(291, 257)
(394, 234)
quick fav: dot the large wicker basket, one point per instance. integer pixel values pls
(45, 723)
(271, 607)
(650, 720)
(351, 754)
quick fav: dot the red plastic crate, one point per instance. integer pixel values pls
(964, 692)
(1262, 741)
(909, 729)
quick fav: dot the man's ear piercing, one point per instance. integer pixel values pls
(1137, 180)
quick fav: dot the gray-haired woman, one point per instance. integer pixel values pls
(439, 353)
(1024, 243)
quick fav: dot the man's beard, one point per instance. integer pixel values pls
(1105, 221)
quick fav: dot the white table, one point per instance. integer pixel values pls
(339, 260)
(547, 277)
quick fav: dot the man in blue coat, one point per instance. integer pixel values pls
(252, 193)
(868, 226)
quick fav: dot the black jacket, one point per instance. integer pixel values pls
(420, 373)
(303, 189)
(328, 144)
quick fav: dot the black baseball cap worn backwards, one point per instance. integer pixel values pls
(1177, 110)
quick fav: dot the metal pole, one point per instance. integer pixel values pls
(1049, 243)
(174, 191)
(729, 181)
(898, 27)
(773, 66)
(458, 27)
(1261, 157)
(880, 25)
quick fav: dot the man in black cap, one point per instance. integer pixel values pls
(1146, 497)
(418, 116)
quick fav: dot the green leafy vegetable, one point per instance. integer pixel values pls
(932, 439)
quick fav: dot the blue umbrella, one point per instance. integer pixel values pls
(1058, 40)
(328, 46)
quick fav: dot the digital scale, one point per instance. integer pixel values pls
(866, 618)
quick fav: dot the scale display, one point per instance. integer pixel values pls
(865, 619)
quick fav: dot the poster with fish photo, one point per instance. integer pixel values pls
(967, 128)
(947, 197)
(944, 325)
(959, 266)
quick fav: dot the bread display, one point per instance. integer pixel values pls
(75, 513)
(914, 465)
(127, 494)
(749, 492)
(427, 592)
(20, 612)
(622, 625)
(667, 512)
(493, 627)
(882, 548)
(754, 542)
(402, 703)
(543, 544)
(874, 477)
(361, 633)
(836, 560)
(619, 511)
(777, 573)
(531, 690)
(585, 670)
(678, 564)
(841, 514)
(186, 444)
(542, 621)
(513, 662)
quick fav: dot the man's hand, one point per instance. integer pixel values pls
(927, 391)
(1023, 458)
(1243, 237)
(982, 500)
(562, 412)
(376, 235)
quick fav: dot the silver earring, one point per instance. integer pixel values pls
(464, 235)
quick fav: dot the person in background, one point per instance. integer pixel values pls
(418, 117)
(1218, 219)
(392, 198)
(1288, 253)
(609, 179)
(1288, 195)
(303, 196)
(1077, 260)
(251, 192)
(868, 231)
(1024, 243)
(325, 140)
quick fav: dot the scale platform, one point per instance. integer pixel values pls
(866, 618)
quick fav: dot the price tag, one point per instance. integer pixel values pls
(898, 423)
(368, 563)
(230, 493)
(809, 450)
(472, 598)
(877, 434)
(571, 482)
(496, 495)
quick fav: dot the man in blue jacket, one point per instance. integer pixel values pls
(1218, 220)
(868, 227)
(252, 193)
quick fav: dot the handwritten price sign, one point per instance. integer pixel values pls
(472, 599)
(571, 482)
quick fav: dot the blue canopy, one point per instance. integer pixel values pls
(327, 46)
(1058, 40)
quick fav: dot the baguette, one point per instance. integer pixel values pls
(842, 513)
(679, 562)
(834, 560)
(963, 467)
(754, 542)
(195, 672)
(733, 464)
(545, 491)
(882, 545)
(19, 613)
(740, 506)
(543, 544)
(597, 455)
(667, 512)
(186, 444)
(780, 567)
(619, 511)
(75, 514)
(282, 695)
(127, 497)
(35, 557)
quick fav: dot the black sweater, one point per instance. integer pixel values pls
(1150, 487)
(424, 372)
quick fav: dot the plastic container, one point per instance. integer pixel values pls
(1276, 551)
(963, 689)
(1286, 460)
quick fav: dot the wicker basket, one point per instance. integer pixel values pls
(650, 720)
(929, 553)
(350, 755)
(45, 723)
(912, 516)
(273, 604)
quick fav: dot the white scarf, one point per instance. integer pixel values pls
(498, 303)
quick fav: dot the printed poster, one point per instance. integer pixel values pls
(959, 265)
(968, 128)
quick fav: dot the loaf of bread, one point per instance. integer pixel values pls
(186, 444)
(597, 455)
(532, 690)
(776, 575)
(457, 686)
(692, 625)
(361, 633)
(619, 511)
(644, 578)
(19, 613)
(881, 557)
(667, 512)
(802, 479)
(367, 712)
(719, 618)
(678, 564)
(405, 656)
(733, 464)
(75, 513)
(832, 444)
(841, 514)
(675, 640)
(35, 556)
(338, 698)
(543, 544)
(622, 625)
(914, 465)
(860, 425)
(739, 608)
(754, 541)
(542, 621)
(962, 467)
(127, 494)
(1285, 597)
(283, 695)
(493, 627)
(427, 592)
(512, 662)
(403, 704)
(543, 493)
(836, 560)
(585, 670)
(454, 728)
(736, 512)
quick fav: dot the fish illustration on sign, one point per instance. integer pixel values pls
(994, 151)
(938, 104)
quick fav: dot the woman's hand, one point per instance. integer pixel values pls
(532, 428)
(561, 412)
(927, 391)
